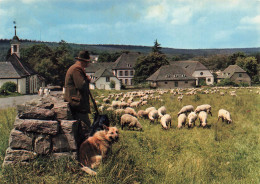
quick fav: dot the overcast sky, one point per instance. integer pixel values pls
(174, 23)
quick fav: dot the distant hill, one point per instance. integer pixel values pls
(190, 53)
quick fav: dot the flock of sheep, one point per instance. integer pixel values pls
(123, 104)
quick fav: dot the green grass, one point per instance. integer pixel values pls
(222, 154)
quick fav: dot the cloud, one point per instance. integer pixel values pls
(157, 12)
(251, 20)
(181, 15)
(223, 35)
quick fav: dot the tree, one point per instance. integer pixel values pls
(233, 57)
(249, 64)
(147, 65)
(156, 47)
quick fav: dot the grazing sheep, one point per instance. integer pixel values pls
(162, 111)
(225, 115)
(123, 104)
(116, 104)
(166, 120)
(180, 98)
(135, 104)
(181, 120)
(204, 107)
(142, 114)
(153, 115)
(106, 100)
(150, 109)
(130, 121)
(185, 109)
(144, 102)
(131, 111)
(119, 111)
(192, 118)
(203, 118)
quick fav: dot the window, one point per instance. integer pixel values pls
(209, 80)
(175, 76)
(165, 82)
(107, 79)
(168, 76)
(186, 82)
(126, 73)
(121, 81)
(128, 65)
(126, 81)
(183, 75)
(131, 81)
(201, 73)
(240, 75)
(15, 48)
(176, 84)
(131, 73)
(120, 73)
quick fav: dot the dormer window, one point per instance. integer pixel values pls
(183, 75)
(175, 76)
(128, 65)
(168, 76)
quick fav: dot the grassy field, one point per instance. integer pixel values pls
(222, 153)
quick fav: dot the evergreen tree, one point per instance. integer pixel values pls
(156, 47)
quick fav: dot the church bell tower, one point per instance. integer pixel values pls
(15, 44)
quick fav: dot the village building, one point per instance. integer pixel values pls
(197, 70)
(171, 76)
(235, 74)
(102, 80)
(123, 67)
(19, 72)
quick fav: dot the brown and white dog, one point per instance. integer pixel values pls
(96, 148)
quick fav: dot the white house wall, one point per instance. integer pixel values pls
(204, 74)
(125, 79)
(21, 84)
(102, 84)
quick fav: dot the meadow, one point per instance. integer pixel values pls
(221, 153)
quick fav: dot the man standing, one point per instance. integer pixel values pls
(77, 92)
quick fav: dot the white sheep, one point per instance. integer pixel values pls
(130, 121)
(116, 104)
(119, 111)
(181, 120)
(180, 98)
(185, 109)
(204, 107)
(142, 114)
(150, 109)
(225, 115)
(166, 120)
(153, 115)
(192, 117)
(203, 118)
(135, 104)
(131, 111)
(162, 111)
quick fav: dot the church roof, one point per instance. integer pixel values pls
(15, 68)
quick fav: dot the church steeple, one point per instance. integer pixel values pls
(15, 43)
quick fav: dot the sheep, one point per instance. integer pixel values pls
(123, 104)
(153, 115)
(166, 120)
(204, 107)
(150, 109)
(116, 104)
(131, 111)
(225, 115)
(181, 120)
(185, 109)
(119, 111)
(180, 98)
(192, 117)
(203, 118)
(130, 121)
(142, 113)
(106, 100)
(162, 111)
(135, 104)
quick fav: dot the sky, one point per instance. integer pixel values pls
(187, 24)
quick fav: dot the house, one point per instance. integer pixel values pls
(123, 67)
(235, 74)
(94, 67)
(19, 72)
(171, 76)
(102, 79)
(197, 70)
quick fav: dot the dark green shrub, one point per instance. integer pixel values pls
(227, 82)
(243, 84)
(112, 84)
(9, 86)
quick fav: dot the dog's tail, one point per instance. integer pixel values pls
(88, 170)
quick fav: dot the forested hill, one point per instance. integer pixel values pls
(97, 49)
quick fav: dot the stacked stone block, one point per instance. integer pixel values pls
(43, 127)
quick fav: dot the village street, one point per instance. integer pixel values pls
(17, 100)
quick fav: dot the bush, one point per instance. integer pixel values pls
(9, 87)
(227, 82)
(243, 84)
(112, 84)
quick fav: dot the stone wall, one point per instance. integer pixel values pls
(43, 127)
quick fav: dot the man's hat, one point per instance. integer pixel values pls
(83, 56)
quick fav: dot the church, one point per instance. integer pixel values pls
(19, 72)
